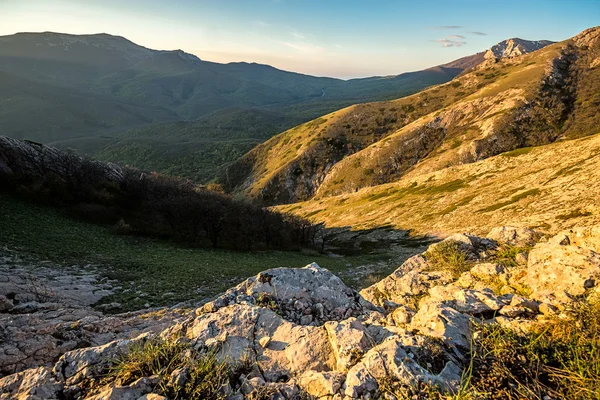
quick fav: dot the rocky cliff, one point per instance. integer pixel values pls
(302, 333)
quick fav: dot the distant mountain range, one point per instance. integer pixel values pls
(169, 110)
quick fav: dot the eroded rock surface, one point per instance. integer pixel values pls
(305, 332)
(45, 311)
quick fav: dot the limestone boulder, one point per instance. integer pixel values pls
(323, 385)
(514, 236)
(561, 270)
(390, 362)
(349, 340)
(442, 321)
(238, 329)
(412, 279)
(35, 383)
(307, 296)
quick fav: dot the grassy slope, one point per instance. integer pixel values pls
(550, 187)
(154, 267)
(375, 132)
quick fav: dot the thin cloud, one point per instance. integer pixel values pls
(298, 35)
(455, 37)
(450, 42)
(261, 23)
(304, 47)
(477, 33)
(447, 27)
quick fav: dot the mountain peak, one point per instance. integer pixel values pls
(514, 47)
(588, 37)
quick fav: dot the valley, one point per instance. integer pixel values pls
(175, 228)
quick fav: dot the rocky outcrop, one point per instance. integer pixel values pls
(34, 159)
(45, 312)
(514, 47)
(306, 296)
(303, 332)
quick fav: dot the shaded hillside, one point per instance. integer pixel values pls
(551, 187)
(44, 112)
(197, 150)
(503, 104)
(141, 204)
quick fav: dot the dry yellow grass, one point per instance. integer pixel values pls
(549, 187)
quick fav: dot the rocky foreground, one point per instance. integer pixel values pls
(303, 333)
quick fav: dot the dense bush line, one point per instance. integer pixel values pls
(147, 204)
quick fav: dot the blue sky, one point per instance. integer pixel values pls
(341, 38)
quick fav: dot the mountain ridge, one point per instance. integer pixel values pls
(496, 107)
(171, 86)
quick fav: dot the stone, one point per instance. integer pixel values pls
(292, 350)
(178, 377)
(548, 309)
(514, 236)
(152, 396)
(391, 360)
(564, 271)
(132, 392)
(513, 311)
(298, 290)
(35, 383)
(522, 258)
(487, 271)
(5, 304)
(401, 316)
(412, 279)
(470, 301)
(252, 384)
(521, 301)
(441, 321)
(21, 298)
(323, 385)
(264, 341)
(349, 341)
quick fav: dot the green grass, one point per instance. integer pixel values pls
(513, 199)
(206, 375)
(518, 152)
(448, 256)
(166, 272)
(574, 214)
(560, 360)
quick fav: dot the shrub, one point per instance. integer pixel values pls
(153, 205)
(560, 360)
(448, 256)
(206, 375)
(507, 255)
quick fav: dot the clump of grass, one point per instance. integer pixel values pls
(393, 389)
(518, 152)
(513, 199)
(507, 255)
(574, 214)
(206, 374)
(561, 361)
(449, 256)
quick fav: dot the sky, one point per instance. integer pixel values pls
(338, 38)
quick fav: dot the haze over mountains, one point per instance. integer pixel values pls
(169, 110)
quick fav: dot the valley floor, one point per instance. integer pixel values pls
(150, 273)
